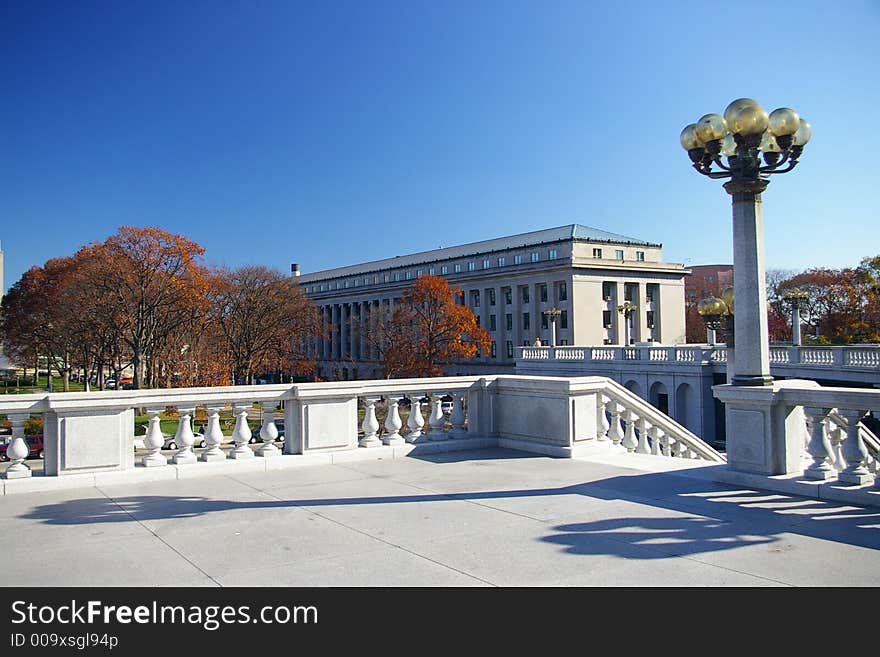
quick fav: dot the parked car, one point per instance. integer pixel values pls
(35, 448)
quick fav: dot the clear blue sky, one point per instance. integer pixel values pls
(329, 133)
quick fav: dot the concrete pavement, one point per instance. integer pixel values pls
(492, 517)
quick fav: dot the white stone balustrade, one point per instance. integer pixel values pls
(17, 450)
(854, 362)
(370, 425)
(268, 431)
(241, 434)
(415, 422)
(184, 437)
(393, 424)
(93, 432)
(437, 419)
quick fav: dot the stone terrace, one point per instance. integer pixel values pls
(494, 517)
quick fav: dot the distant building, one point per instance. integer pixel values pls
(508, 282)
(704, 281)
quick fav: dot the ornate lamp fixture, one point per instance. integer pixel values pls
(626, 309)
(756, 145)
(553, 314)
(795, 300)
(746, 135)
(718, 314)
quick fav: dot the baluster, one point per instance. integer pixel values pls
(658, 441)
(241, 434)
(806, 459)
(184, 436)
(268, 431)
(154, 441)
(17, 450)
(835, 440)
(854, 451)
(415, 422)
(437, 419)
(616, 431)
(393, 424)
(629, 440)
(213, 436)
(456, 417)
(644, 446)
(819, 448)
(602, 424)
(670, 445)
(370, 425)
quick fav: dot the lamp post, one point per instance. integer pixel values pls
(553, 314)
(795, 300)
(719, 316)
(756, 145)
(626, 309)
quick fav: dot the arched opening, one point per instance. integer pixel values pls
(634, 387)
(658, 397)
(683, 404)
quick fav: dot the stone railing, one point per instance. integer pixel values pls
(859, 358)
(91, 434)
(799, 428)
(694, 354)
(629, 422)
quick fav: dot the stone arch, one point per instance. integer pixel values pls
(633, 386)
(658, 397)
(684, 401)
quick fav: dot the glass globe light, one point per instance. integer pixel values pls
(728, 146)
(689, 139)
(727, 297)
(735, 108)
(803, 134)
(751, 120)
(711, 127)
(784, 121)
(768, 144)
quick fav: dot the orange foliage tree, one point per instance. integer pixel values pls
(151, 284)
(429, 331)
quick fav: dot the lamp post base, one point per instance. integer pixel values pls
(756, 380)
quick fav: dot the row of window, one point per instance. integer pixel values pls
(535, 256)
(618, 254)
(526, 321)
(561, 294)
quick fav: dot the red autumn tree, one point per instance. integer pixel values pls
(429, 331)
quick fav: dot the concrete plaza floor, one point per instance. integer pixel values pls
(492, 517)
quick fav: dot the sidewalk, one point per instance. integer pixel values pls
(491, 517)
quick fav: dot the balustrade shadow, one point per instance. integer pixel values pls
(721, 516)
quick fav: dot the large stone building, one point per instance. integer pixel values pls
(509, 282)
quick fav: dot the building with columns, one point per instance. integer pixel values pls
(509, 282)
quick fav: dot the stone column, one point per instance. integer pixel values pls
(353, 320)
(619, 321)
(336, 347)
(752, 364)
(640, 325)
(796, 323)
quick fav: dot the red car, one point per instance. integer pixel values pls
(35, 448)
